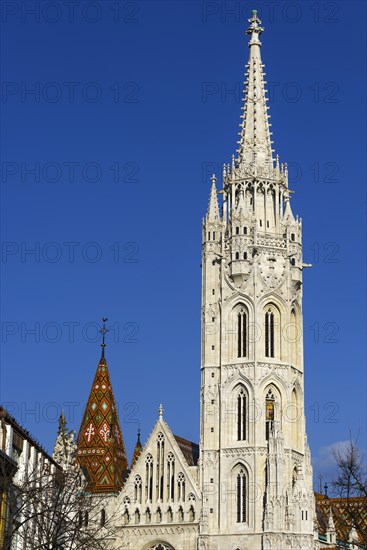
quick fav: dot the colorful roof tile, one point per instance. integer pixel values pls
(100, 446)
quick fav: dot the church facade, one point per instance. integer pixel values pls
(248, 484)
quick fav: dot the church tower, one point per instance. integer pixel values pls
(255, 470)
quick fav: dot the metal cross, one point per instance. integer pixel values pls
(104, 330)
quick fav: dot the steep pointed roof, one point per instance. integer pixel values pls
(213, 210)
(255, 145)
(100, 446)
(137, 450)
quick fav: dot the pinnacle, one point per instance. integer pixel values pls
(213, 210)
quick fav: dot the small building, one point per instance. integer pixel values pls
(20, 456)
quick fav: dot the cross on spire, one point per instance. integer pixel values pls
(103, 331)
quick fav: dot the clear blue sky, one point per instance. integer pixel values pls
(131, 110)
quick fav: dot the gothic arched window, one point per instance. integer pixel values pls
(241, 415)
(181, 486)
(137, 489)
(170, 476)
(269, 334)
(241, 496)
(160, 465)
(242, 323)
(149, 478)
(269, 413)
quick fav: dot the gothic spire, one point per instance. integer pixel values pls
(65, 447)
(213, 210)
(137, 451)
(255, 145)
(100, 446)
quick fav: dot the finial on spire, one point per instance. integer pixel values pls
(160, 412)
(254, 29)
(62, 423)
(103, 331)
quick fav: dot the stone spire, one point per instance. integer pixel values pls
(330, 529)
(65, 447)
(137, 451)
(255, 145)
(100, 446)
(213, 210)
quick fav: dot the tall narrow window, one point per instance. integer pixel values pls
(149, 478)
(241, 333)
(241, 496)
(170, 476)
(181, 486)
(137, 489)
(269, 413)
(269, 334)
(241, 416)
(103, 517)
(160, 465)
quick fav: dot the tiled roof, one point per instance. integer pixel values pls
(189, 449)
(101, 449)
(345, 511)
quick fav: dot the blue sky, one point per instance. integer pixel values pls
(134, 105)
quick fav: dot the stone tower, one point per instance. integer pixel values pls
(255, 471)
